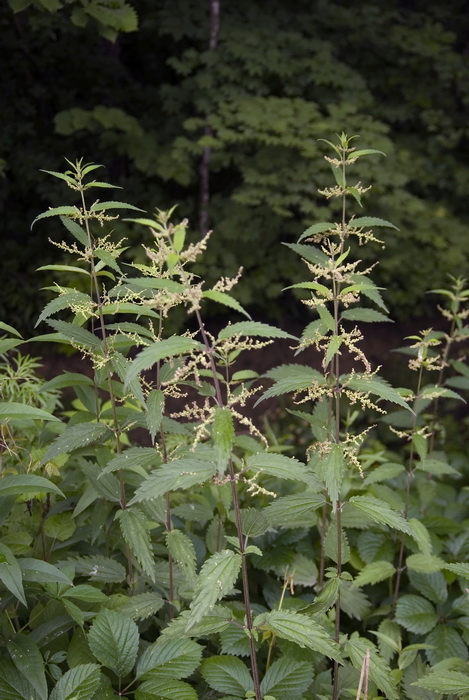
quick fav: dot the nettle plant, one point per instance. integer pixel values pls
(156, 544)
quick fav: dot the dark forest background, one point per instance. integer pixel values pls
(167, 92)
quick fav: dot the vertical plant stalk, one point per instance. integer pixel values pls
(364, 676)
(204, 169)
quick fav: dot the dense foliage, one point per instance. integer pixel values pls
(152, 103)
(157, 544)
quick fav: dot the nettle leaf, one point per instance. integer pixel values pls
(29, 662)
(99, 568)
(113, 639)
(64, 301)
(141, 606)
(217, 577)
(364, 315)
(380, 673)
(424, 563)
(460, 569)
(225, 299)
(313, 230)
(447, 643)
(154, 413)
(75, 229)
(279, 466)
(325, 599)
(421, 535)
(135, 530)
(253, 329)
(377, 386)
(433, 586)
(164, 689)
(76, 334)
(374, 573)
(295, 510)
(416, 614)
(106, 485)
(161, 350)
(299, 628)
(12, 410)
(227, 674)
(445, 682)
(178, 474)
(80, 683)
(74, 437)
(287, 678)
(383, 472)
(223, 434)
(169, 658)
(182, 550)
(58, 211)
(367, 221)
(353, 601)
(133, 459)
(331, 544)
(308, 252)
(217, 620)
(331, 470)
(380, 512)
(104, 206)
(10, 573)
(253, 522)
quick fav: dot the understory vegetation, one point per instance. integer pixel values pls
(160, 541)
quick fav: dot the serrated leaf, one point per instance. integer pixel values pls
(29, 662)
(75, 436)
(379, 671)
(223, 434)
(374, 573)
(279, 466)
(182, 550)
(164, 689)
(104, 206)
(253, 522)
(435, 466)
(79, 683)
(154, 414)
(169, 658)
(308, 252)
(300, 629)
(22, 484)
(331, 469)
(217, 577)
(161, 350)
(142, 605)
(366, 221)
(76, 334)
(447, 643)
(380, 512)
(227, 674)
(445, 682)
(113, 639)
(330, 544)
(460, 569)
(64, 301)
(287, 678)
(325, 599)
(19, 411)
(178, 474)
(383, 472)
(424, 563)
(416, 614)
(135, 531)
(225, 299)
(377, 386)
(65, 268)
(433, 586)
(253, 329)
(313, 230)
(99, 568)
(58, 211)
(421, 535)
(295, 510)
(353, 601)
(216, 621)
(365, 315)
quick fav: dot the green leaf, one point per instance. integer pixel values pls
(99, 568)
(416, 614)
(58, 211)
(280, 466)
(154, 413)
(309, 253)
(380, 512)
(135, 459)
(142, 605)
(21, 411)
(65, 268)
(294, 511)
(59, 526)
(10, 329)
(79, 683)
(104, 206)
(216, 621)
(223, 298)
(460, 569)
(367, 221)
(445, 682)
(217, 577)
(170, 347)
(10, 573)
(113, 639)
(182, 550)
(75, 436)
(223, 434)
(76, 334)
(253, 522)
(447, 643)
(383, 472)
(107, 259)
(424, 563)
(325, 599)
(375, 385)
(178, 474)
(331, 548)
(252, 329)
(163, 689)
(75, 229)
(7, 344)
(365, 315)
(22, 484)
(436, 467)
(300, 629)
(41, 571)
(29, 662)
(85, 592)
(365, 152)
(374, 573)
(331, 470)
(227, 674)
(421, 535)
(14, 685)
(379, 671)
(135, 531)
(433, 586)
(313, 230)
(287, 678)
(291, 378)
(65, 301)
(169, 658)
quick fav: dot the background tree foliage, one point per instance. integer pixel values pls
(86, 78)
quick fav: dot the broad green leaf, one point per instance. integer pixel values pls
(178, 474)
(29, 662)
(377, 386)
(106, 485)
(389, 636)
(326, 318)
(380, 673)
(67, 379)
(424, 563)
(217, 577)
(380, 512)
(60, 526)
(421, 535)
(14, 685)
(300, 629)
(313, 230)
(136, 459)
(364, 152)
(161, 350)
(308, 252)
(446, 642)
(169, 658)
(76, 334)
(436, 467)
(227, 674)
(217, 620)
(99, 568)
(365, 315)
(10, 329)
(86, 593)
(253, 522)
(7, 344)
(113, 639)
(74, 212)
(164, 689)
(104, 206)
(416, 614)
(295, 511)
(331, 470)
(182, 550)
(433, 586)
(135, 530)
(223, 434)
(10, 573)
(374, 573)
(252, 329)
(80, 683)
(21, 411)
(226, 299)
(75, 436)
(75, 229)
(41, 571)
(366, 221)
(280, 466)
(460, 569)
(154, 412)
(445, 682)
(141, 606)
(330, 544)
(287, 678)
(325, 599)
(65, 301)
(23, 484)
(383, 472)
